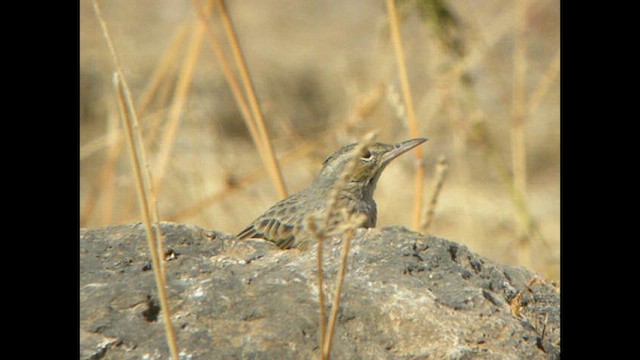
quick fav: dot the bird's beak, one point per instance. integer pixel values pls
(401, 148)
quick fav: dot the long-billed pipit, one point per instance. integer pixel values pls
(285, 223)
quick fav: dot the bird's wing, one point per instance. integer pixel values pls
(274, 230)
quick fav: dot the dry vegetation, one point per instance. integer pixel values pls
(484, 82)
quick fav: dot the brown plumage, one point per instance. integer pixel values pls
(285, 222)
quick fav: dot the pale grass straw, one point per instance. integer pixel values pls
(238, 96)
(162, 82)
(518, 106)
(163, 70)
(320, 228)
(440, 174)
(356, 221)
(228, 73)
(496, 31)
(138, 161)
(144, 187)
(320, 235)
(518, 118)
(241, 64)
(328, 330)
(411, 116)
(105, 140)
(543, 85)
(131, 112)
(145, 207)
(113, 139)
(522, 212)
(185, 78)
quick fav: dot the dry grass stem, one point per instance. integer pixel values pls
(543, 85)
(498, 29)
(441, 172)
(418, 186)
(237, 94)
(144, 188)
(321, 229)
(266, 147)
(411, 116)
(179, 98)
(152, 121)
(163, 70)
(145, 206)
(354, 222)
(138, 161)
(158, 89)
(112, 140)
(106, 140)
(518, 146)
(335, 303)
(522, 213)
(228, 73)
(311, 222)
(97, 144)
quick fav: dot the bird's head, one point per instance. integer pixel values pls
(371, 161)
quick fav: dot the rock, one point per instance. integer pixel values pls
(406, 296)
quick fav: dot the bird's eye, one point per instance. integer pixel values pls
(367, 156)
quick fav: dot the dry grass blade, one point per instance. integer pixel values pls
(272, 162)
(321, 227)
(128, 114)
(522, 212)
(238, 96)
(441, 172)
(355, 221)
(145, 207)
(552, 72)
(311, 222)
(518, 118)
(411, 115)
(518, 148)
(177, 105)
(228, 73)
(101, 142)
(163, 69)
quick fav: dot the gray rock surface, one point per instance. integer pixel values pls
(406, 296)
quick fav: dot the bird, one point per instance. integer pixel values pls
(286, 223)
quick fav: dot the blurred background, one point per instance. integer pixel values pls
(485, 84)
